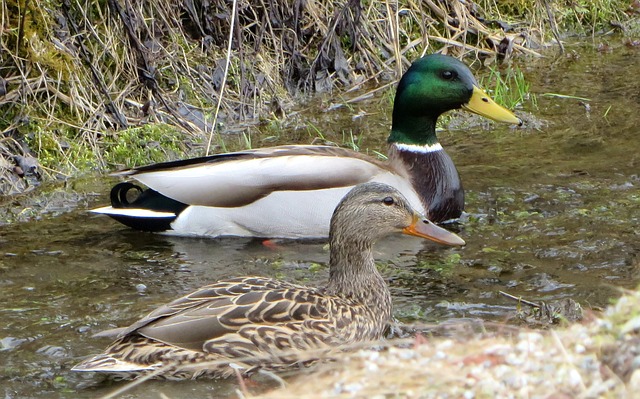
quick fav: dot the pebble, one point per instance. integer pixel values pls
(53, 351)
(352, 388)
(575, 379)
(83, 329)
(634, 382)
(631, 325)
(9, 343)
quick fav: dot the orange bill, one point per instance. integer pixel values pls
(421, 227)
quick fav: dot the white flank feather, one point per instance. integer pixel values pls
(217, 184)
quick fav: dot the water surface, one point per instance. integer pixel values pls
(553, 213)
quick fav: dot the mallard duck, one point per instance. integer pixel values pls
(242, 318)
(290, 191)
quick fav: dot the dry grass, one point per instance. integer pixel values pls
(85, 69)
(75, 72)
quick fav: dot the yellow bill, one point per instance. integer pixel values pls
(483, 105)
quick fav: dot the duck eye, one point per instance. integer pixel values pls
(388, 201)
(448, 75)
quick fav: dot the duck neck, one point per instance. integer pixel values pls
(433, 177)
(413, 130)
(353, 275)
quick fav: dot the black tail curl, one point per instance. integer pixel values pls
(146, 199)
(119, 194)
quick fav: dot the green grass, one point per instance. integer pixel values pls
(592, 16)
(65, 152)
(509, 88)
(444, 266)
(61, 151)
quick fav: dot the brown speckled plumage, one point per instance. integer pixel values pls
(240, 318)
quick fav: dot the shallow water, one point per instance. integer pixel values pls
(553, 213)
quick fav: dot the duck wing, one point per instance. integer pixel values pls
(240, 178)
(219, 311)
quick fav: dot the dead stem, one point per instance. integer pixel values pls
(224, 76)
(108, 66)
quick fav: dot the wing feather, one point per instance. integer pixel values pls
(241, 178)
(223, 310)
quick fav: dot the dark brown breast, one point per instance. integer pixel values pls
(435, 178)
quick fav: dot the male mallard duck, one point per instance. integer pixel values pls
(238, 319)
(291, 191)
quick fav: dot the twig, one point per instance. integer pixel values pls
(552, 24)
(224, 77)
(243, 385)
(21, 27)
(395, 34)
(567, 359)
(519, 299)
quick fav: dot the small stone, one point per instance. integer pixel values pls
(575, 379)
(440, 355)
(9, 343)
(631, 325)
(83, 329)
(352, 388)
(141, 288)
(372, 367)
(53, 351)
(634, 381)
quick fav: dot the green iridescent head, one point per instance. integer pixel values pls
(433, 85)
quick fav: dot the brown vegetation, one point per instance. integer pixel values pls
(83, 70)
(76, 73)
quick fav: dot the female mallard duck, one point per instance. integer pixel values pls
(291, 191)
(241, 319)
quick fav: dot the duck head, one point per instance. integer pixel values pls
(371, 211)
(433, 85)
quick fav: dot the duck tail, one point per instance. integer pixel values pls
(148, 211)
(106, 363)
